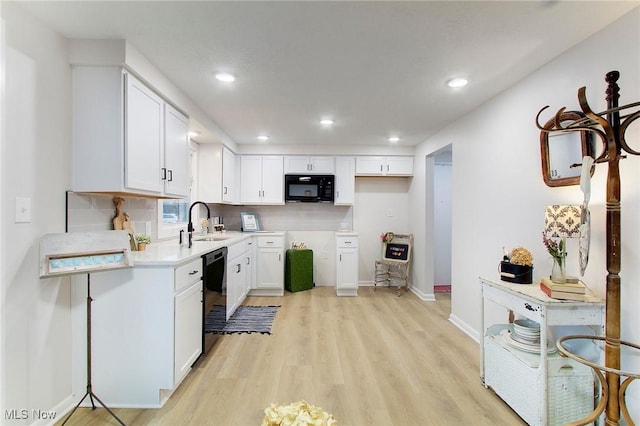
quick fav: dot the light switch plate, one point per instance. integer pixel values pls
(23, 210)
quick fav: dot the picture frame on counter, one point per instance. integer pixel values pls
(250, 222)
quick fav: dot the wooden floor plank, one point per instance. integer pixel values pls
(374, 359)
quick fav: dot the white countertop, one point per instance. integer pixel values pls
(170, 253)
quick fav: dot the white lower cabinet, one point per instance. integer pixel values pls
(238, 274)
(146, 332)
(188, 329)
(346, 264)
(269, 266)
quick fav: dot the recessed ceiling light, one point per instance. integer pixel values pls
(227, 78)
(326, 122)
(394, 139)
(457, 82)
(263, 137)
(193, 133)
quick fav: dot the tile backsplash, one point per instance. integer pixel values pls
(289, 217)
(92, 212)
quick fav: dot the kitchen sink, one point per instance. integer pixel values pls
(211, 238)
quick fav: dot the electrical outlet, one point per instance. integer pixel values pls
(389, 213)
(324, 255)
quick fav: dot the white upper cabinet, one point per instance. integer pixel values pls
(229, 176)
(345, 181)
(217, 174)
(384, 165)
(143, 137)
(175, 171)
(126, 138)
(295, 164)
(262, 179)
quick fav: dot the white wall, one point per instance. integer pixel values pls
(36, 369)
(498, 191)
(381, 205)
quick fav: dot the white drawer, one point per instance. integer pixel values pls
(237, 249)
(188, 273)
(270, 241)
(345, 242)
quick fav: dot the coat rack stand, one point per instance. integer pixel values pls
(92, 396)
(610, 126)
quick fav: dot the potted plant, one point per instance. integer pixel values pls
(142, 240)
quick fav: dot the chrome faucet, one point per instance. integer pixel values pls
(190, 225)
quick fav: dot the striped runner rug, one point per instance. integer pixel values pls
(246, 319)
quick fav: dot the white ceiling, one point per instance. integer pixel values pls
(377, 68)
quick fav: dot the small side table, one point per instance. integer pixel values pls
(529, 301)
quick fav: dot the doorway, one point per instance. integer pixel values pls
(442, 186)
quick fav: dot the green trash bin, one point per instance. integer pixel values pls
(298, 270)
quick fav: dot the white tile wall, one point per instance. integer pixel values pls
(289, 217)
(96, 212)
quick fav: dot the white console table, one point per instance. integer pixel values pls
(529, 301)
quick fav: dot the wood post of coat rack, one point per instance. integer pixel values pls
(611, 131)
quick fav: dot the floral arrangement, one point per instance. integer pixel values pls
(521, 256)
(143, 239)
(204, 223)
(299, 413)
(555, 248)
(387, 237)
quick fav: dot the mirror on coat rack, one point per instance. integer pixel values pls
(562, 153)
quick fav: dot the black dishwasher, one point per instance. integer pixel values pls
(214, 278)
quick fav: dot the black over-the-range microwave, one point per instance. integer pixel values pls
(308, 188)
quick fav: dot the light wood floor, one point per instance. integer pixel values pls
(374, 359)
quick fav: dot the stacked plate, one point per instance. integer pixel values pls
(525, 335)
(526, 331)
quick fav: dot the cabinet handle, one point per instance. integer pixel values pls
(239, 268)
(269, 242)
(248, 261)
(193, 272)
(225, 190)
(347, 242)
(280, 258)
(340, 257)
(380, 167)
(387, 167)
(170, 175)
(164, 173)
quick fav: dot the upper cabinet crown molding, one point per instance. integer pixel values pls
(126, 138)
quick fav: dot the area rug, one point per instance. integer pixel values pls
(246, 319)
(442, 288)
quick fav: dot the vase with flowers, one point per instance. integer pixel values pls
(386, 237)
(558, 251)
